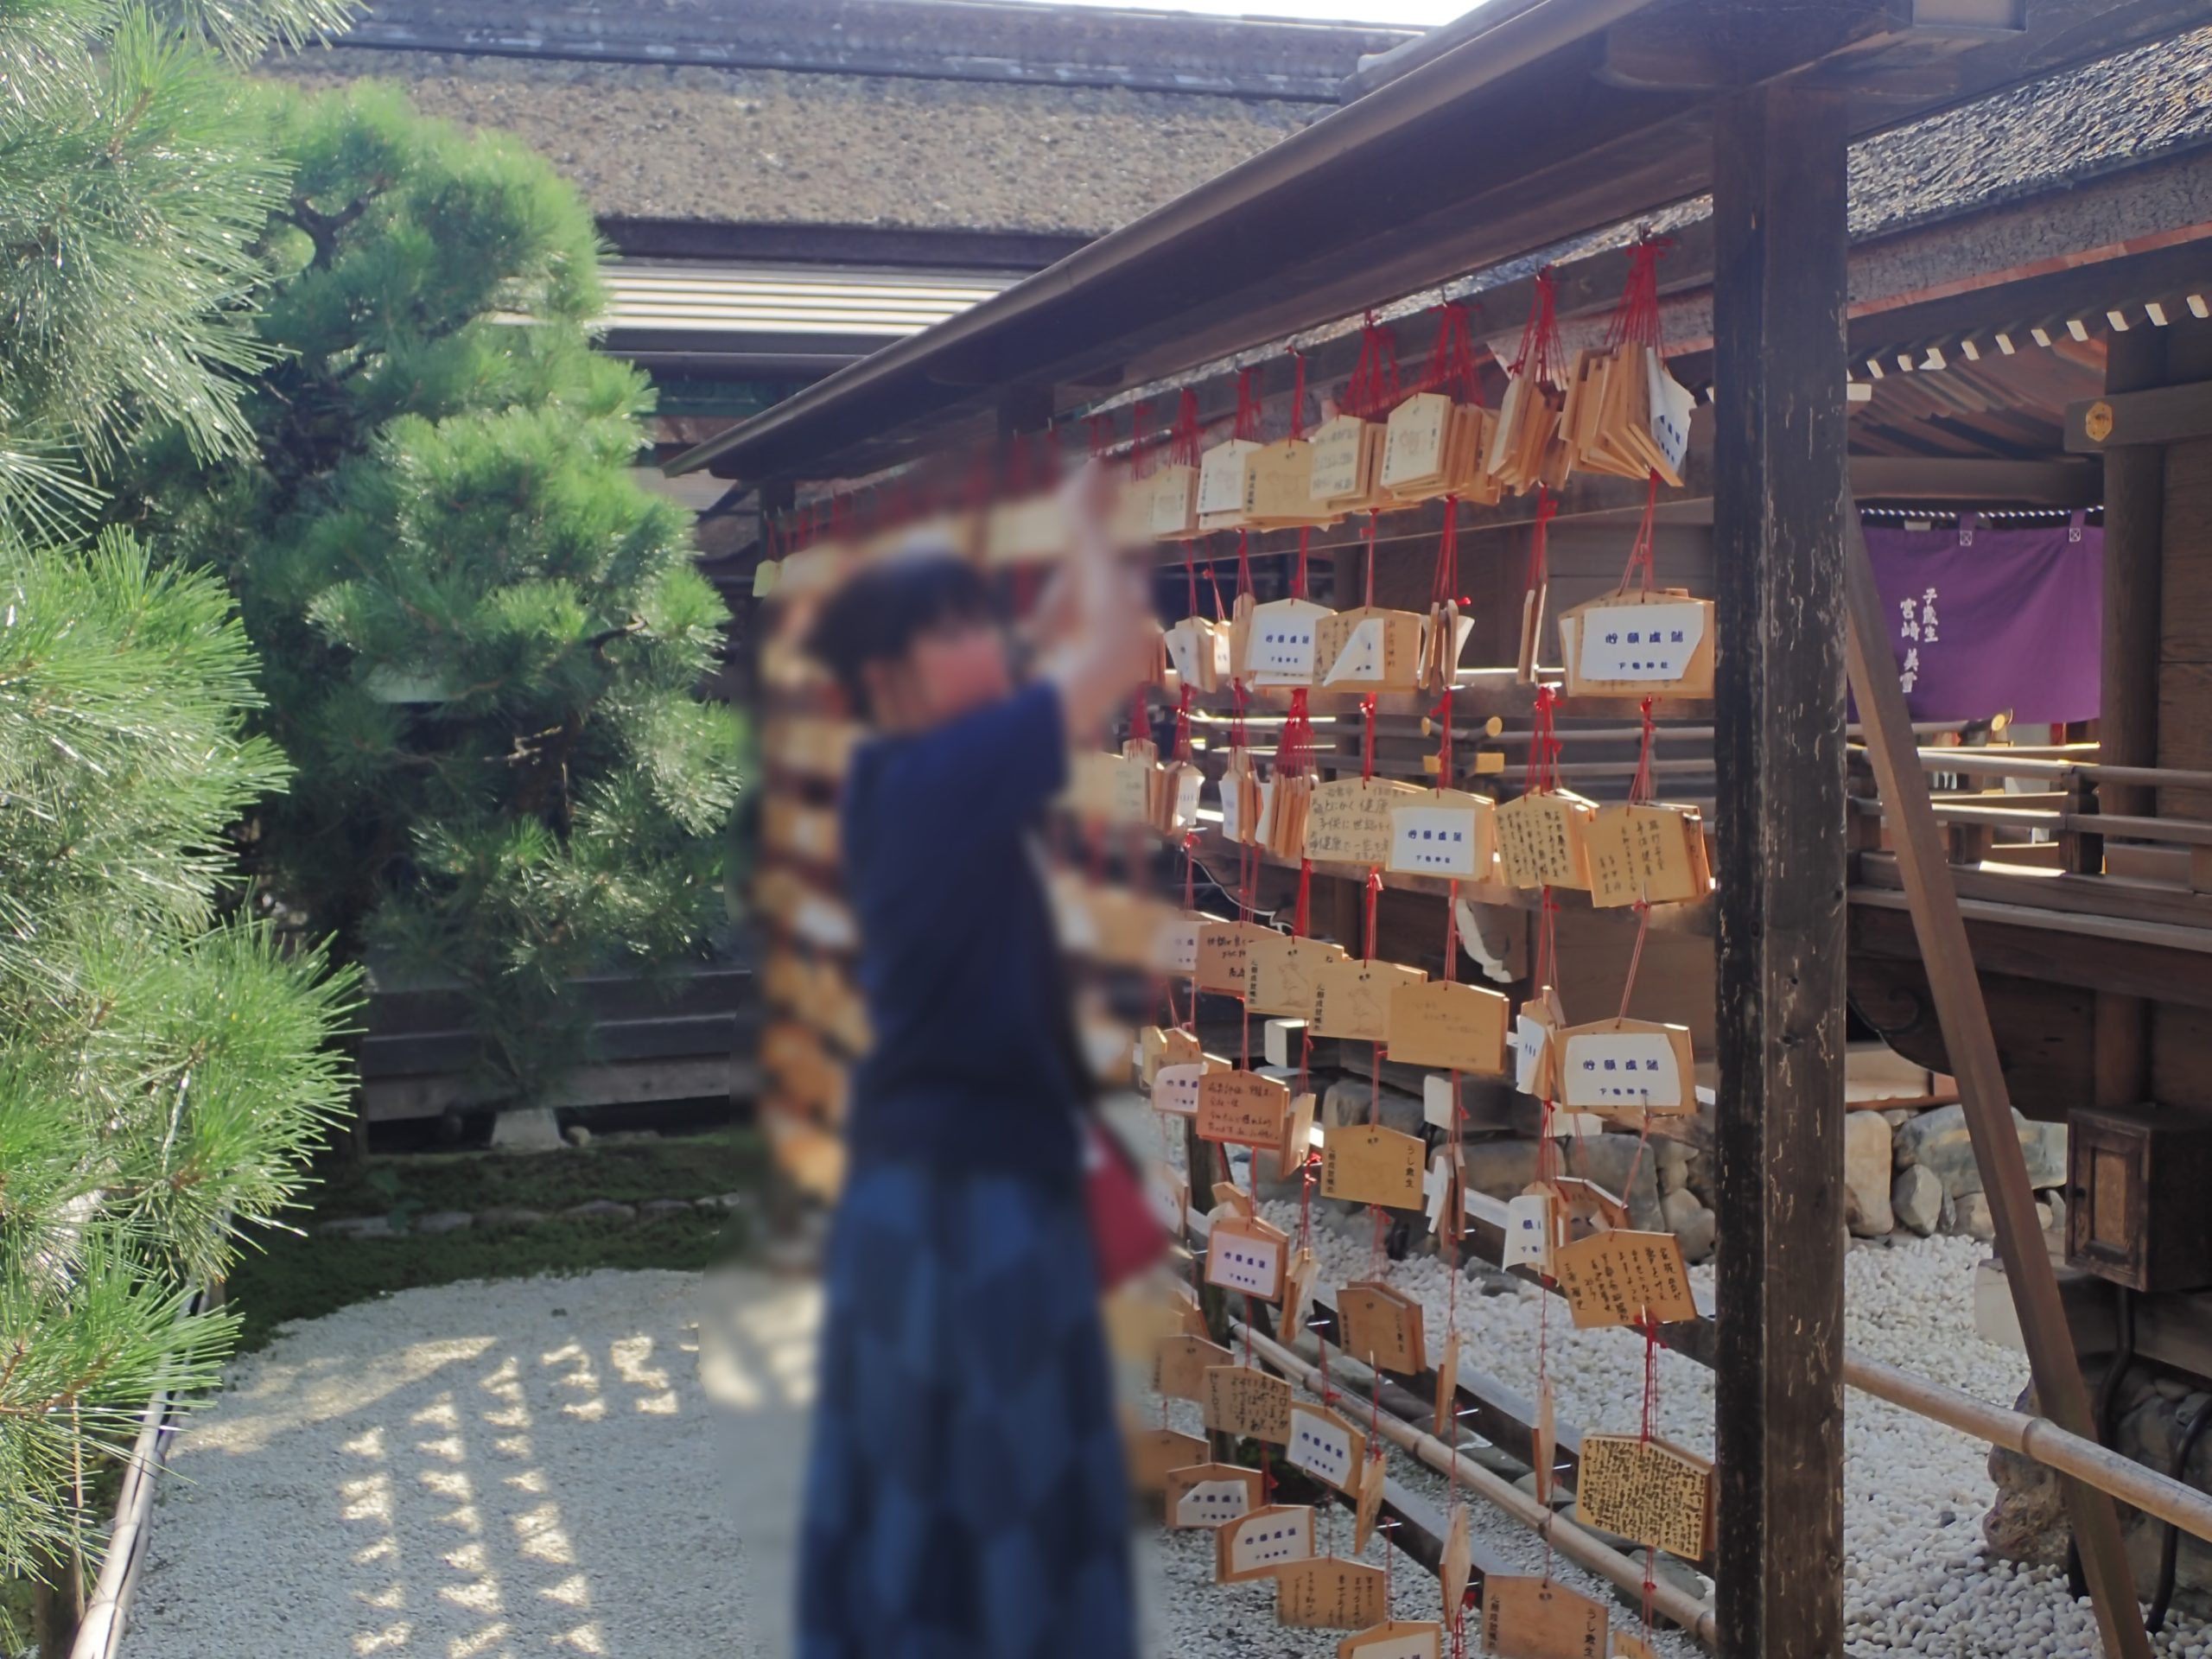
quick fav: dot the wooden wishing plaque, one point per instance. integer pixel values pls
(1325, 1446)
(1399, 1639)
(1647, 853)
(1447, 1386)
(1329, 1594)
(1243, 1109)
(1544, 1438)
(1369, 649)
(1297, 1143)
(1209, 1494)
(1638, 645)
(1154, 1453)
(1650, 1491)
(1619, 1277)
(1452, 1027)
(1175, 1088)
(1536, 1619)
(1351, 998)
(1631, 1647)
(1535, 1227)
(1244, 1400)
(1374, 1483)
(1229, 1196)
(1179, 1364)
(1281, 973)
(1587, 1201)
(1283, 637)
(1298, 1291)
(1158, 1046)
(1365, 1163)
(1536, 1055)
(1457, 1565)
(1443, 832)
(1627, 1065)
(1175, 947)
(1248, 1254)
(1225, 949)
(1382, 1328)
(1540, 840)
(1262, 1543)
(1349, 820)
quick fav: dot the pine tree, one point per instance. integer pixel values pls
(161, 1078)
(483, 639)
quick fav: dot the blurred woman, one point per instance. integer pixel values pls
(966, 1498)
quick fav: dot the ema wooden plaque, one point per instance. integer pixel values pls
(1351, 998)
(1158, 1046)
(1545, 1437)
(1540, 840)
(1445, 832)
(1457, 1565)
(1620, 1278)
(1247, 1254)
(1329, 1594)
(1348, 822)
(1325, 1446)
(1364, 1163)
(1452, 1027)
(1282, 973)
(1374, 1483)
(1179, 1364)
(1244, 1399)
(1627, 1065)
(1243, 1109)
(1297, 1292)
(1647, 854)
(1398, 1639)
(1224, 949)
(1650, 1491)
(1262, 1543)
(1209, 1495)
(1380, 1328)
(1156, 1452)
(1448, 1387)
(1535, 1619)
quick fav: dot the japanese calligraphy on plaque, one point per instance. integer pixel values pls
(1263, 1543)
(1647, 854)
(1535, 1619)
(1243, 1107)
(1620, 1278)
(1224, 949)
(1348, 822)
(1281, 973)
(1382, 1328)
(1452, 1026)
(1638, 645)
(1181, 1363)
(1365, 1163)
(1327, 1593)
(1399, 1639)
(1445, 832)
(1371, 650)
(1540, 840)
(1248, 1254)
(1325, 1446)
(1627, 1065)
(1210, 1494)
(1245, 1399)
(1649, 1491)
(1351, 998)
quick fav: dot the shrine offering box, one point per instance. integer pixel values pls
(2136, 1206)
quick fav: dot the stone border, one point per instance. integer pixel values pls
(501, 1217)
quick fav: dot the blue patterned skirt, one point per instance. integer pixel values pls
(967, 1497)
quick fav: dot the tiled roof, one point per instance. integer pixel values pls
(775, 146)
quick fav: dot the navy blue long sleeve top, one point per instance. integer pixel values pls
(972, 1067)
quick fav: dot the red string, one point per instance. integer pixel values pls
(1374, 526)
(1639, 552)
(1541, 358)
(1302, 917)
(1294, 747)
(1183, 446)
(1543, 745)
(1183, 722)
(1367, 742)
(1373, 388)
(1298, 397)
(1140, 454)
(1539, 557)
(1452, 359)
(1248, 406)
(1297, 577)
(1190, 577)
(1447, 584)
(1640, 788)
(1374, 887)
(1213, 579)
(1243, 563)
(1635, 319)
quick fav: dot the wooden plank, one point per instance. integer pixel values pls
(1779, 474)
(1968, 1038)
(2081, 895)
(2157, 414)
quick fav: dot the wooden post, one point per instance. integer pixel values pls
(2127, 713)
(1944, 953)
(1778, 472)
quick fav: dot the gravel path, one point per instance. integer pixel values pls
(491, 1471)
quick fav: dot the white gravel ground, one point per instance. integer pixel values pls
(486, 1472)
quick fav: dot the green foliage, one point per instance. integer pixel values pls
(482, 638)
(159, 1083)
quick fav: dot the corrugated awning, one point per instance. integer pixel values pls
(652, 297)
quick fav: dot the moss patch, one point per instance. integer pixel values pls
(686, 1166)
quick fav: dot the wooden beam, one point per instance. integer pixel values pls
(1967, 1038)
(1780, 248)
(2155, 414)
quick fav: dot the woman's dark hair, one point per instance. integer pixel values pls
(881, 609)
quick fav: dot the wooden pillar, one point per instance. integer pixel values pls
(1778, 485)
(2127, 713)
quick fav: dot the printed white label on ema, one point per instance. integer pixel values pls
(1434, 841)
(1621, 1067)
(1213, 1502)
(1526, 1218)
(1282, 644)
(1529, 1037)
(1640, 642)
(1671, 403)
(1175, 947)
(1175, 1088)
(1320, 1447)
(1264, 1541)
(1238, 1262)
